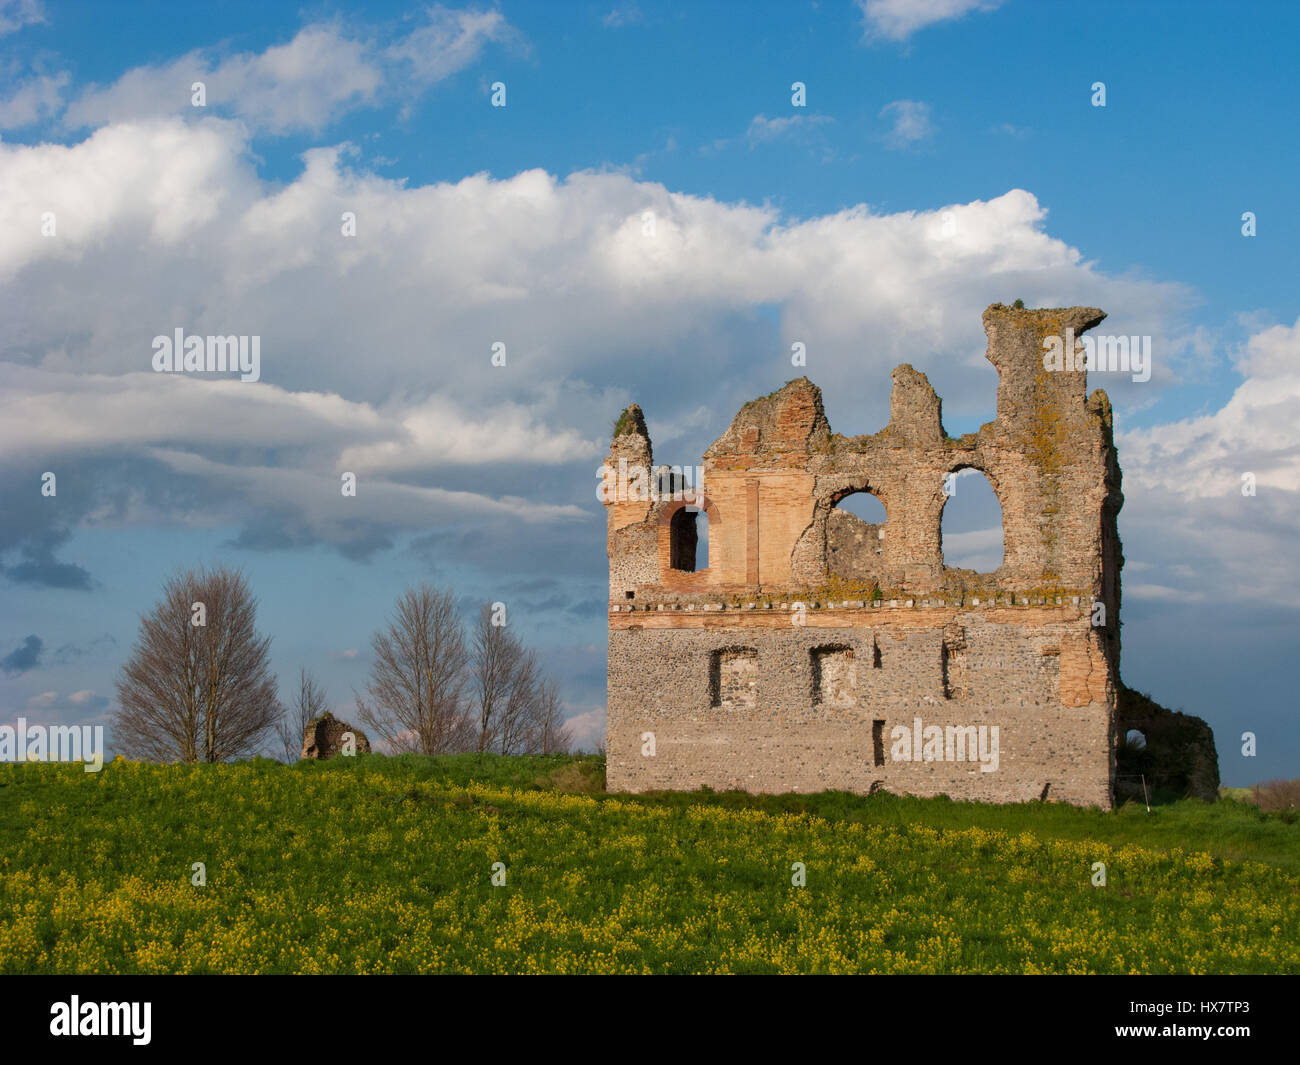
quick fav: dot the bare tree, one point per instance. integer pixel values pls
(518, 732)
(516, 708)
(494, 656)
(304, 708)
(198, 685)
(416, 693)
(554, 736)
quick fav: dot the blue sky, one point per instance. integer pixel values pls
(522, 224)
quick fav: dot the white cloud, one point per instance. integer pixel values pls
(188, 425)
(312, 498)
(318, 76)
(587, 729)
(435, 431)
(300, 85)
(980, 550)
(896, 20)
(763, 129)
(49, 708)
(51, 413)
(623, 15)
(376, 349)
(1183, 485)
(449, 42)
(1273, 352)
(1254, 432)
(35, 99)
(156, 182)
(560, 270)
(1158, 592)
(911, 120)
(798, 128)
(15, 14)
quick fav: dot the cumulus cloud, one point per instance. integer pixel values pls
(896, 20)
(1214, 498)
(562, 271)
(376, 350)
(1254, 432)
(315, 78)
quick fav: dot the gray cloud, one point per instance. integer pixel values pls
(23, 658)
(72, 652)
(37, 565)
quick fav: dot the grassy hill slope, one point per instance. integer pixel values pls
(385, 865)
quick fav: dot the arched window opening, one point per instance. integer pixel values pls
(688, 548)
(971, 529)
(855, 537)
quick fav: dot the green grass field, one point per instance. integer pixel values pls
(386, 865)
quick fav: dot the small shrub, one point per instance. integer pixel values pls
(1275, 795)
(576, 778)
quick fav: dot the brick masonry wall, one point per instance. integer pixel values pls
(1013, 667)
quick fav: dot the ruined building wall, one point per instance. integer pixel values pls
(731, 685)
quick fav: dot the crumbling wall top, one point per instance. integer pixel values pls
(791, 419)
(915, 410)
(1027, 391)
(775, 478)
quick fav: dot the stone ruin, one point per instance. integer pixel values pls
(323, 737)
(817, 651)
